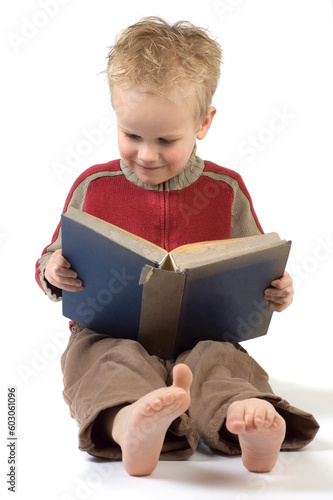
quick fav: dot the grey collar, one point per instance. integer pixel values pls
(187, 176)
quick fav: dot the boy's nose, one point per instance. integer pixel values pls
(148, 153)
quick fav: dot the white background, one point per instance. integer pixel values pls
(277, 58)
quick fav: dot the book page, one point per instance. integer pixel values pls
(202, 253)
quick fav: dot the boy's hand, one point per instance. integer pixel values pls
(280, 295)
(58, 272)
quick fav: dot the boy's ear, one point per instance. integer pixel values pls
(205, 125)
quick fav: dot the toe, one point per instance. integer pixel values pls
(182, 376)
(157, 404)
(261, 417)
(147, 410)
(235, 422)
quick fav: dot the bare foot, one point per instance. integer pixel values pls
(260, 430)
(140, 428)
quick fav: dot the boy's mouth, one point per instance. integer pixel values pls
(149, 167)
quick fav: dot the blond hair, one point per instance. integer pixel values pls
(170, 60)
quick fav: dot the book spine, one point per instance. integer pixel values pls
(160, 309)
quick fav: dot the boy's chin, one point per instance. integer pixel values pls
(151, 181)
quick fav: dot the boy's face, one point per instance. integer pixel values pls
(155, 136)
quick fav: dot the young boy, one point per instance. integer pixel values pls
(129, 404)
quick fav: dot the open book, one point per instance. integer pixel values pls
(169, 301)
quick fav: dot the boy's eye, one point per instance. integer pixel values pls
(132, 136)
(166, 141)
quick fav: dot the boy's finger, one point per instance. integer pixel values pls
(277, 307)
(68, 285)
(283, 282)
(275, 293)
(60, 260)
(66, 273)
(280, 300)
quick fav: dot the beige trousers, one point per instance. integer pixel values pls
(101, 372)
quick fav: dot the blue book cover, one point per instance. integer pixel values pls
(110, 302)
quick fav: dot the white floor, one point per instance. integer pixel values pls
(51, 467)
